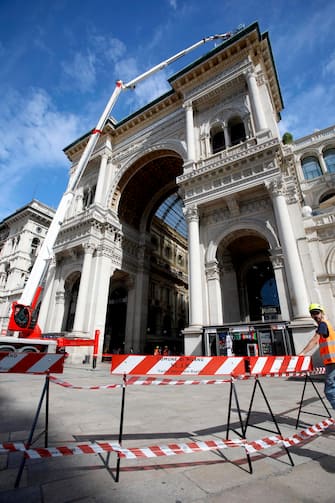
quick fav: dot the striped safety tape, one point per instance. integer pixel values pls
(140, 381)
(170, 449)
(66, 384)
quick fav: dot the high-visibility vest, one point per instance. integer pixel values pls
(327, 346)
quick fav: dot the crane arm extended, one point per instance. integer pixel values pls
(40, 267)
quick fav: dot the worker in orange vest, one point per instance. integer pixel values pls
(325, 337)
(166, 351)
(157, 351)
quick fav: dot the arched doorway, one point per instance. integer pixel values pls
(262, 291)
(248, 284)
(250, 300)
(149, 209)
(115, 328)
(71, 289)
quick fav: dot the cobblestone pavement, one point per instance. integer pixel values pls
(157, 415)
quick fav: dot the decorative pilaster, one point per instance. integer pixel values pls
(214, 293)
(190, 131)
(101, 185)
(80, 320)
(295, 277)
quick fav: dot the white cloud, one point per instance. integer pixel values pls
(173, 4)
(33, 135)
(313, 108)
(152, 88)
(110, 48)
(329, 67)
(81, 71)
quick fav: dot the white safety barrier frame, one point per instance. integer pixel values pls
(40, 364)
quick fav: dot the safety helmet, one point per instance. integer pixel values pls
(315, 307)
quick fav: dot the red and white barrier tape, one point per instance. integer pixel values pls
(66, 384)
(170, 449)
(137, 380)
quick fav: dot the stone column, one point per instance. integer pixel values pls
(295, 277)
(101, 185)
(322, 163)
(194, 265)
(190, 131)
(80, 320)
(214, 293)
(103, 272)
(226, 135)
(255, 100)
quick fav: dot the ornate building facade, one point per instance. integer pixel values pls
(21, 236)
(260, 218)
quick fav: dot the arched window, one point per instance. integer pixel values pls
(217, 140)
(327, 200)
(329, 157)
(311, 168)
(34, 245)
(236, 131)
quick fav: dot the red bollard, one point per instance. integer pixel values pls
(95, 348)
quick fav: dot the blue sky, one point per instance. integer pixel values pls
(59, 62)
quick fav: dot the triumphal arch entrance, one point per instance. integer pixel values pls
(184, 225)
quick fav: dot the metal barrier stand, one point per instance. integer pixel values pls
(31, 440)
(241, 434)
(309, 379)
(106, 461)
(247, 422)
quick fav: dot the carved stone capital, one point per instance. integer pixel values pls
(191, 213)
(212, 270)
(188, 105)
(88, 248)
(276, 186)
(277, 259)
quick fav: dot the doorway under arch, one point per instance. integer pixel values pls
(71, 289)
(247, 278)
(115, 327)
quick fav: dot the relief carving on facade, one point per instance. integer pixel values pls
(204, 90)
(212, 270)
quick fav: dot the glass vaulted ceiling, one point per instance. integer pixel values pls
(171, 212)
